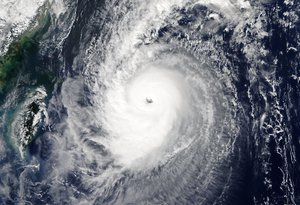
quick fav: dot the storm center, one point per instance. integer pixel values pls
(138, 129)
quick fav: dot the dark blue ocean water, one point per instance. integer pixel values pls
(263, 166)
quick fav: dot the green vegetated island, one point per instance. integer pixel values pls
(21, 59)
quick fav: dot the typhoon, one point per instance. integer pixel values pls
(138, 102)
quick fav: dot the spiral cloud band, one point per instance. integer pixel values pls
(157, 102)
(161, 101)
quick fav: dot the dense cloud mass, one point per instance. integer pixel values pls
(149, 102)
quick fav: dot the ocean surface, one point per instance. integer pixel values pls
(150, 102)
